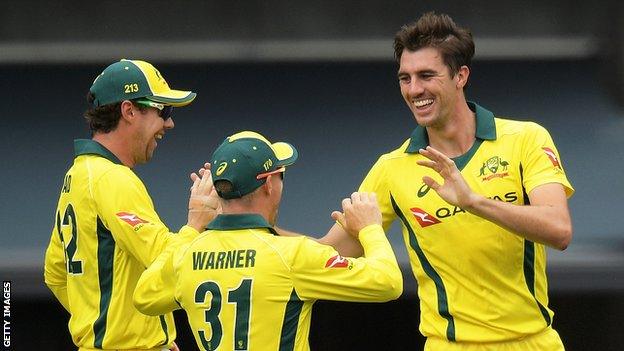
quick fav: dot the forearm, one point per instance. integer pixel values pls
(545, 224)
(341, 241)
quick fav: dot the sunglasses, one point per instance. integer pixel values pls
(164, 111)
(280, 170)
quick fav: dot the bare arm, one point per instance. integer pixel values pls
(545, 220)
(341, 241)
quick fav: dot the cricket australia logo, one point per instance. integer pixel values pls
(494, 167)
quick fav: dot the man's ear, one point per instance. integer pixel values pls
(267, 187)
(127, 111)
(462, 77)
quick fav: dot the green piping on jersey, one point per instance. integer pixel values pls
(92, 147)
(291, 320)
(443, 308)
(485, 129)
(240, 221)
(163, 325)
(529, 276)
(462, 161)
(529, 256)
(105, 255)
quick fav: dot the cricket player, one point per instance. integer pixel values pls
(479, 198)
(246, 288)
(106, 230)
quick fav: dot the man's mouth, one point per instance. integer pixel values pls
(422, 103)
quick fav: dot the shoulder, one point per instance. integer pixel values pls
(518, 129)
(395, 154)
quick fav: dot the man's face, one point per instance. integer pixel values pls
(427, 86)
(150, 128)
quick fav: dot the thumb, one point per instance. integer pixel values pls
(340, 218)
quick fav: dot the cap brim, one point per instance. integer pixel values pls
(286, 154)
(174, 98)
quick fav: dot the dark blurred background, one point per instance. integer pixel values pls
(320, 75)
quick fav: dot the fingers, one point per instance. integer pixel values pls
(355, 197)
(195, 179)
(436, 156)
(346, 204)
(206, 177)
(340, 218)
(431, 183)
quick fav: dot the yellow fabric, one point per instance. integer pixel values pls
(262, 297)
(470, 272)
(116, 235)
(154, 349)
(547, 340)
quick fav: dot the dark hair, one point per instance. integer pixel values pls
(439, 32)
(223, 186)
(104, 119)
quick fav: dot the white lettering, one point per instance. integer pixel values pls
(6, 309)
(7, 334)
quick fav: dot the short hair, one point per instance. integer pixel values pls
(104, 119)
(437, 31)
(225, 186)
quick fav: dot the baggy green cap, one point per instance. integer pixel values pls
(134, 79)
(243, 159)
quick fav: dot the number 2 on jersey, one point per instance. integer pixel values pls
(241, 297)
(69, 218)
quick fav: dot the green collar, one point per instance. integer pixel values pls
(240, 221)
(486, 129)
(92, 147)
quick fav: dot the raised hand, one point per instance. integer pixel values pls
(454, 190)
(204, 202)
(359, 211)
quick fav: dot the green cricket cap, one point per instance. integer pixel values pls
(134, 79)
(246, 158)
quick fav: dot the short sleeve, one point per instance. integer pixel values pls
(541, 163)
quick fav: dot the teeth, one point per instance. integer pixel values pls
(159, 136)
(421, 103)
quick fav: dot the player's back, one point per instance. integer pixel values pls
(99, 275)
(236, 288)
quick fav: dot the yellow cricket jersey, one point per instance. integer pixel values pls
(477, 282)
(245, 288)
(105, 234)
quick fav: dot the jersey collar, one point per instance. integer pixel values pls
(486, 129)
(92, 147)
(240, 221)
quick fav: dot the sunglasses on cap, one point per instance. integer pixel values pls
(280, 170)
(164, 111)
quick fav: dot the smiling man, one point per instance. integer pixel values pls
(106, 229)
(479, 198)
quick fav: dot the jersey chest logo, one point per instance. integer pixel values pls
(424, 218)
(493, 167)
(130, 218)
